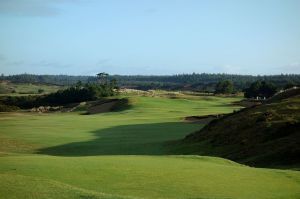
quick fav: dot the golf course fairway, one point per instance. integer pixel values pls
(126, 155)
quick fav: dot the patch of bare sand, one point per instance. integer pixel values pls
(102, 107)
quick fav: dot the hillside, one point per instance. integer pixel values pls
(266, 135)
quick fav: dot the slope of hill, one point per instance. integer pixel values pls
(294, 91)
(267, 135)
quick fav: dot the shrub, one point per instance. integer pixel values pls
(41, 90)
(7, 108)
(224, 87)
(73, 94)
(260, 89)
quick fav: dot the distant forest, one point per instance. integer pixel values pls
(196, 82)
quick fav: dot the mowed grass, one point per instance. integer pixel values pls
(125, 155)
(142, 177)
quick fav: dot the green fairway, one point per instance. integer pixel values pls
(125, 155)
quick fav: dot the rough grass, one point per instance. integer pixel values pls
(125, 155)
(26, 88)
(266, 135)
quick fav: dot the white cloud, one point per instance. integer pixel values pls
(291, 68)
(33, 8)
(228, 69)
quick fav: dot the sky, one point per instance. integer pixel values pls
(149, 37)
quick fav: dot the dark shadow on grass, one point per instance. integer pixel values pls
(137, 139)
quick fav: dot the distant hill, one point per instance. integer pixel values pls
(266, 135)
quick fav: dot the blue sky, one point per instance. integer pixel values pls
(84, 37)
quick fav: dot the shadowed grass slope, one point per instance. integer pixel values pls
(138, 139)
(266, 135)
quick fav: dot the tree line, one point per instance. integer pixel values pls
(258, 89)
(77, 93)
(196, 82)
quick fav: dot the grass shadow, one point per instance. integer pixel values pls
(137, 139)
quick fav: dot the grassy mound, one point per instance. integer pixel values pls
(265, 135)
(284, 95)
